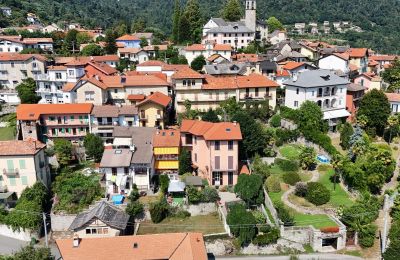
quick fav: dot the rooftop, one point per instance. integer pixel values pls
(316, 78)
(212, 131)
(116, 158)
(28, 147)
(166, 138)
(34, 111)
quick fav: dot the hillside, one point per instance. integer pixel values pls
(379, 18)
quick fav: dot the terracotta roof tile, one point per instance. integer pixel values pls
(393, 97)
(357, 52)
(212, 131)
(383, 57)
(292, 65)
(162, 47)
(251, 81)
(34, 111)
(187, 73)
(151, 63)
(27, 147)
(136, 97)
(56, 68)
(282, 73)
(128, 37)
(68, 86)
(166, 138)
(9, 56)
(158, 98)
(103, 67)
(344, 55)
(174, 246)
(130, 50)
(133, 81)
(202, 47)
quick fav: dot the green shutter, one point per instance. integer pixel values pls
(63, 130)
(10, 165)
(22, 164)
(72, 118)
(12, 180)
(69, 130)
(24, 180)
(80, 117)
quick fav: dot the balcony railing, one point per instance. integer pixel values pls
(166, 157)
(11, 172)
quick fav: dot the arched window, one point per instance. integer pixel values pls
(319, 103)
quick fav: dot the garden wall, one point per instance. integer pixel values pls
(287, 124)
(300, 235)
(271, 208)
(61, 222)
(24, 235)
(201, 209)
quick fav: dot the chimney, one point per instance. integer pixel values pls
(234, 123)
(76, 241)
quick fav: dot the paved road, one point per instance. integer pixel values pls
(301, 257)
(10, 245)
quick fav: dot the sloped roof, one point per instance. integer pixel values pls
(212, 131)
(9, 56)
(116, 158)
(292, 65)
(113, 111)
(128, 37)
(393, 97)
(158, 98)
(107, 213)
(358, 52)
(172, 246)
(167, 138)
(34, 111)
(16, 147)
(202, 47)
(251, 81)
(103, 67)
(316, 78)
(151, 63)
(187, 73)
(137, 97)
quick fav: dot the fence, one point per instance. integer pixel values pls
(223, 218)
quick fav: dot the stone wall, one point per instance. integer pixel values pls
(24, 235)
(61, 222)
(300, 235)
(271, 208)
(287, 124)
(201, 209)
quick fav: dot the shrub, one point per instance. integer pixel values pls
(367, 236)
(134, 195)
(291, 178)
(194, 195)
(164, 183)
(182, 214)
(285, 135)
(273, 184)
(275, 121)
(317, 193)
(269, 238)
(134, 208)
(301, 189)
(159, 210)
(260, 218)
(250, 189)
(284, 215)
(242, 223)
(210, 194)
(286, 165)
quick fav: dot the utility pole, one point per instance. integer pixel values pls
(45, 228)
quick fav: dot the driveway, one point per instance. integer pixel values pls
(10, 245)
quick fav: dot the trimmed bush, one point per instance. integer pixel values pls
(268, 238)
(134, 208)
(182, 214)
(284, 215)
(317, 193)
(286, 165)
(301, 189)
(273, 184)
(194, 195)
(210, 194)
(260, 218)
(159, 210)
(275, 121)
(291, 178)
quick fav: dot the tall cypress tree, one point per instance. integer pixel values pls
(193, 15)
(176, 22)
(232, 11)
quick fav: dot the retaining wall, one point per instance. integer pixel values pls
(24, 235)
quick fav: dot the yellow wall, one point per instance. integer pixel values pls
(151, 114)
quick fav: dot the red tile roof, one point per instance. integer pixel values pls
(212, 131)
(358, 52)
(128, 37)
(393, 97)
(27, 147)
(167, 138)
(130, 50)
(243, 57)
(133, 81)
(251, 81)
(383, 57)
(292, 65)
(202, 47)
(34, 111)
(187, 73)
(282, 73)
(9, 56)
(68, 86)
(103, 67)
(151, 63)
(158, 98)
(83, 59)
(56, 68)
(173, 246)
(344, 55)
(136, 97)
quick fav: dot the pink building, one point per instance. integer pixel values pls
(214, 150)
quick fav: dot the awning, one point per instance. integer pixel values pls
(176, 186)
(118, 141)
(336, 114)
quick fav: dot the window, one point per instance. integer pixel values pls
(72, 118)
(296, 103)
(230, 145)
(297, 91)
(115, 90)
(256, 92)
(230, 178)
(193, 82)
(89, 95)
(217, 145)
(341, 90)
(217, 162)
(71, 72)
(22, 165)
(230, 162)
(24, 180)
(10, 165)
(184, 82)
(312, 93)
(195, 157)
(34, 65)
(12, 180)
(58, 75)
(12, 65)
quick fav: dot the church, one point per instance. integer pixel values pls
(238, 34)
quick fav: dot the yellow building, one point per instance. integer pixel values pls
(166, 145)
(153, 110)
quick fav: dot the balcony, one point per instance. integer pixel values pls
(43, 90)
(3, 189)
(41, 77)
(166, 157)
(11, 172)
(143, 117)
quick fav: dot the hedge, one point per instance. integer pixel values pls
(273, 184)
(317, 193)
(286, 165)
(291, 178)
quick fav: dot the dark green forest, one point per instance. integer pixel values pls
(380, 19)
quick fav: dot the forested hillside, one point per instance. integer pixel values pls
(379, 18)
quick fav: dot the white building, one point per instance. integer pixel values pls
(135, 55)
(6, 11)
(323, 87)
(207, 50)
(238, 34)
(335, 61)
(18, 43)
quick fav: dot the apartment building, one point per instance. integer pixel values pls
(207, 50)
(46, 122)
(17, 43)
(166, 147)
(214, 150)
(23, 163)
(155, 110)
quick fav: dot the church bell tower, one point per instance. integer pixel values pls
(250, 14)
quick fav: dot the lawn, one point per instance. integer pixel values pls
(339, 197)
(317, 221)
(6, 133)
(291, 151)
(207, 224)
(336, 143)
(275, 196)
(146, 200)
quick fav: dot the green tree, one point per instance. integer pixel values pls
(376, 108)
(176, 22)
(63, 149)
(31, 252)
(111, 45)
(82, 38)
(311, 117)
(260, 168)
(94, 146)
(92, 50)
(134, 208)
(143, 42)
(250, 189)
(307, 158)
(185, 162)
(242, 223)
(228, 108)
(274, 24)
(210, 116)
(393, 122)
(345, 133)
(27, 91)
(393, 251)
(317, 193)
(392, 76)
(159, 210)
(164, 183)
(198, 63)
(70, 41)
(138, 25)
(32, 51)
(193, 15)
(232, 11)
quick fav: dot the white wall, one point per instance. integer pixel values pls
(332, 62)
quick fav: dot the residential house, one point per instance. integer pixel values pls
(154, 110)
(294, 68)
(281, 77)
(226, 69)
(382, 61)
(32, 18)
(134, 55)
(369, 80)
(300, 28)
(46, 122)
(111, 60)
(206, 91)
(394, 100)
(354, 94)
(153, 50)
(323, 87)
(277, 36)
(335, 61)
(214, 150)
(6, 11)
(51, 28)
(18, 43)
(103, 220)
(129, 41)
(172, 246)
(105, 118)
(358, 57)
(23, 164)
(131, 160)
(208, 49)
(146, 35)
(94, 68)
(268, 68)
(166, 145)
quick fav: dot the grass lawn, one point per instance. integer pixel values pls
(146, 200)
(317, 221)
(336, 143)
(6, 133)
(290, 151)
(339, 197)
(275, 196)
(207, 224)
(275, 169)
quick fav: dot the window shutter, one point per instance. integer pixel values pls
(216, 162)
(230, 162)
